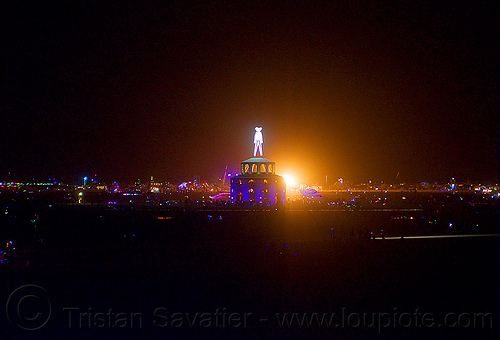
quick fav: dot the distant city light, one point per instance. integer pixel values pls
(310, 192)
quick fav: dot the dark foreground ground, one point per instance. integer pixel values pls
(247, 275)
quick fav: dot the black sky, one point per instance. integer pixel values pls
(360, 90)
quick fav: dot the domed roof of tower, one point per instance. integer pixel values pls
(257, 160)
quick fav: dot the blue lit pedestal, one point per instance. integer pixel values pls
(258, 184)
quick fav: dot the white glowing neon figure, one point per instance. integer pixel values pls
(258, 140)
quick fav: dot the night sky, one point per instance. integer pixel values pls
(170, 89)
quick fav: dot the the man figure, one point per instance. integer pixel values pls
(258, 140)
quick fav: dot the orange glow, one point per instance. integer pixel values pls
(290, 181)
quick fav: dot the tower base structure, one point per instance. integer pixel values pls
(258, 184)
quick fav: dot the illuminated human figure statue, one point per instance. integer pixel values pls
(258, 140)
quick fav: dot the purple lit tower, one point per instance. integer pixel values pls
(258, 182)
